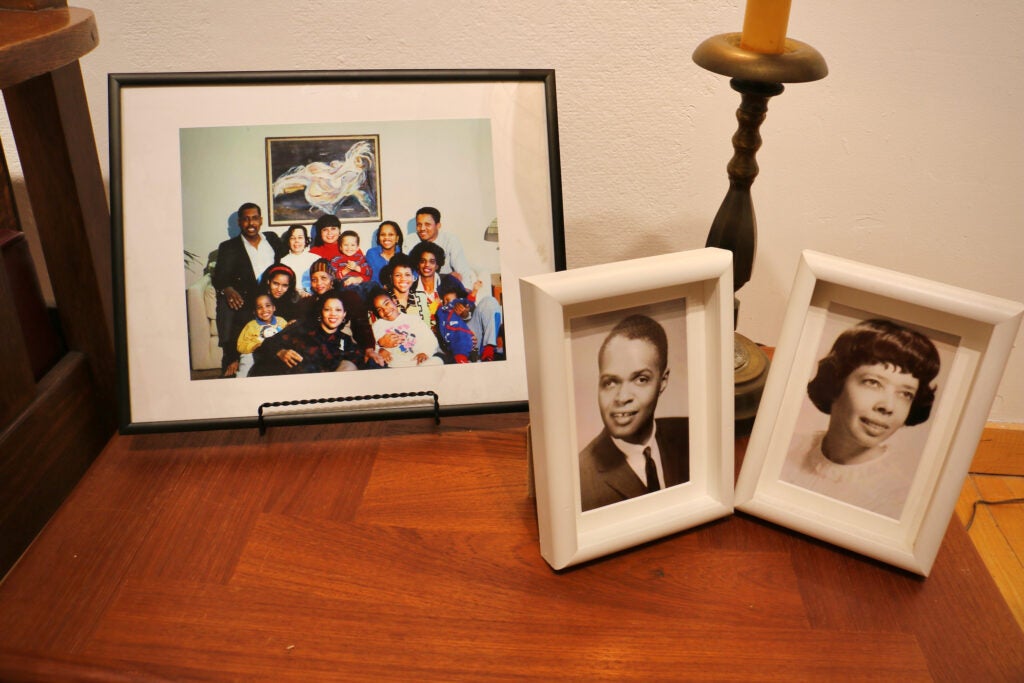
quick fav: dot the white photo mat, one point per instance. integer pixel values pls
(700, 282)
(973, 334)
(148, 112)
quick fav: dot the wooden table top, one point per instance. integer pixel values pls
(403, 550)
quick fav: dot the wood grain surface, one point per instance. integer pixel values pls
(35, 42)
(52, 428)
(406, 551)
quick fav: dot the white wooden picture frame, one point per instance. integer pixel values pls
(566, 314)
(899, 517)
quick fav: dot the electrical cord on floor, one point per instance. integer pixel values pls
(974, 508)
(982, 501)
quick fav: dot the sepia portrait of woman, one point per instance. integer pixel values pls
(878, 378)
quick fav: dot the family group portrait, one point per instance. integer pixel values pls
(352, 247)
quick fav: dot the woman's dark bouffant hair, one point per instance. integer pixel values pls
(875, 342)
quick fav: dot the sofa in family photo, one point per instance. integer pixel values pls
(201, 308)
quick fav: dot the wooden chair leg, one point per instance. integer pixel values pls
(50, 119)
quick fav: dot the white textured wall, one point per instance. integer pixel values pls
(910, 155)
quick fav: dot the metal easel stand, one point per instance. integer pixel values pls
(342, 399)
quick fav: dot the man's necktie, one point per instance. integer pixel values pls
(652, 471)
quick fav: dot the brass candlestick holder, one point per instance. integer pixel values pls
(757, 77)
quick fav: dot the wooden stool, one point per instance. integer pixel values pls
(57, 397)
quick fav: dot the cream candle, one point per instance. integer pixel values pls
(764, 26)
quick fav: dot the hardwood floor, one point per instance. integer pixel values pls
(997, 531)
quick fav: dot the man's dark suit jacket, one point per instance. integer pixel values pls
(234, 269)
(606, 477)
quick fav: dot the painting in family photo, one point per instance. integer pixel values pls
(295, 265)
(866, 413)
(630, 388)
(336, 175)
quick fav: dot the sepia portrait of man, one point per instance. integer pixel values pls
(635, 452)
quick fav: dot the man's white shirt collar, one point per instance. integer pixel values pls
(635, 456)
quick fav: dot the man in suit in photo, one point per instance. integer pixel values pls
(240, 262)
(635, 453)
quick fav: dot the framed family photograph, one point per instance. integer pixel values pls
(358, 234)
(631, 408)
(876, 399)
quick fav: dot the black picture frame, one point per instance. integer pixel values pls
(161, 198)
